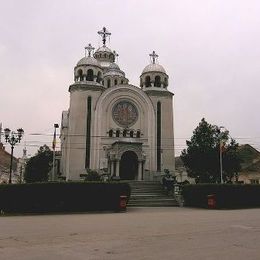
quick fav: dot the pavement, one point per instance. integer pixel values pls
(140, 233)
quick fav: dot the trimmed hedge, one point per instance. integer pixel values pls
(61, 197)
(227, 195)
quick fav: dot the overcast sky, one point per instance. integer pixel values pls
(209, 48)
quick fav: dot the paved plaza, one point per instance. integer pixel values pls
(140, 233)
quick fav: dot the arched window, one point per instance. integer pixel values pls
(138, 134)
(147, 81)
(131, 133)
(105, 55)
(90, 75)
(108, 83)
(124, 133)
(110, 133)
(122, 81)
(165, 82)
(115, 81)
(157, 81)
(80, 75)
(99, 77)
(117, 133)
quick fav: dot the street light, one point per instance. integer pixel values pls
(53, 147)
(12, 138)
(220, 154)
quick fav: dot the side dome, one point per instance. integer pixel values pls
(88, 61)
(88, 68)
(154, 76)
(154, 67)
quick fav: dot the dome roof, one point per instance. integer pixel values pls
(154, 67)
(88, 61)
(114, 73)
(113, 66)
(103, 49)
(114, 70)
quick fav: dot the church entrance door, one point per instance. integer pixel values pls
(128, 166)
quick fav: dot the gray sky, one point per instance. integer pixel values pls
(209, 48)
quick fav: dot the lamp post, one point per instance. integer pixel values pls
(12, 138)
(53, 147)
(220, 154)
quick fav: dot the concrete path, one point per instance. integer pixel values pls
(140, 233)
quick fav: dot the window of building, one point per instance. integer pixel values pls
(131, 133)
(147, 81)
(124, 133)
(138, 134)
(254, 181)
(99, 77)
(157, 81)
(90, 75)
(117, 133)
(110, 133)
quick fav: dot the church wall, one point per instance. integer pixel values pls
(167, 135)
(77, 132)
(104, 122)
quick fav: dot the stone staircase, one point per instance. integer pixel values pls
(149, 194)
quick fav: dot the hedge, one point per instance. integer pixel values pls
(61, 197)
(227, 195)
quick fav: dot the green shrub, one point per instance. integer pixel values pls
(92, 176)
(61, 197)
(227, 195)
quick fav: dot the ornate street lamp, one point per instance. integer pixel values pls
(12, 138)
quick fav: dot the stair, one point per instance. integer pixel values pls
(149, 194)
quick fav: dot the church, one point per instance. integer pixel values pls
(114, 127)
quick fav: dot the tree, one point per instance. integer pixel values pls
(39, 166)
(201, 158)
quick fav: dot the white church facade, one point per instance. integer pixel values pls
(114, 127)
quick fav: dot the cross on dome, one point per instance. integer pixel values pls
(116, 55)
(104, 34)
(153, 56)
(89, 48)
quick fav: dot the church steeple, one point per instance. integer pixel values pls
(154, 76)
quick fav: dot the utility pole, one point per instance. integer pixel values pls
(53, 147)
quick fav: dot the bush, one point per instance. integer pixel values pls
(92, 176)
(61, 197)
(227, 195)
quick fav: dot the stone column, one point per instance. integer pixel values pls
(140, 166)
(112, 168)
(117, 167)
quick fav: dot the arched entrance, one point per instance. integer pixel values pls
(128, 166)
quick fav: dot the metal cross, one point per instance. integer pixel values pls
(153, 56)
(116, 56)
(104, 34)
(89, 48)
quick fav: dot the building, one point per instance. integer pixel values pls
(21, 165)
(114, 127)
(5, 160)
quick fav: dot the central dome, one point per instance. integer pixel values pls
(103, 48)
